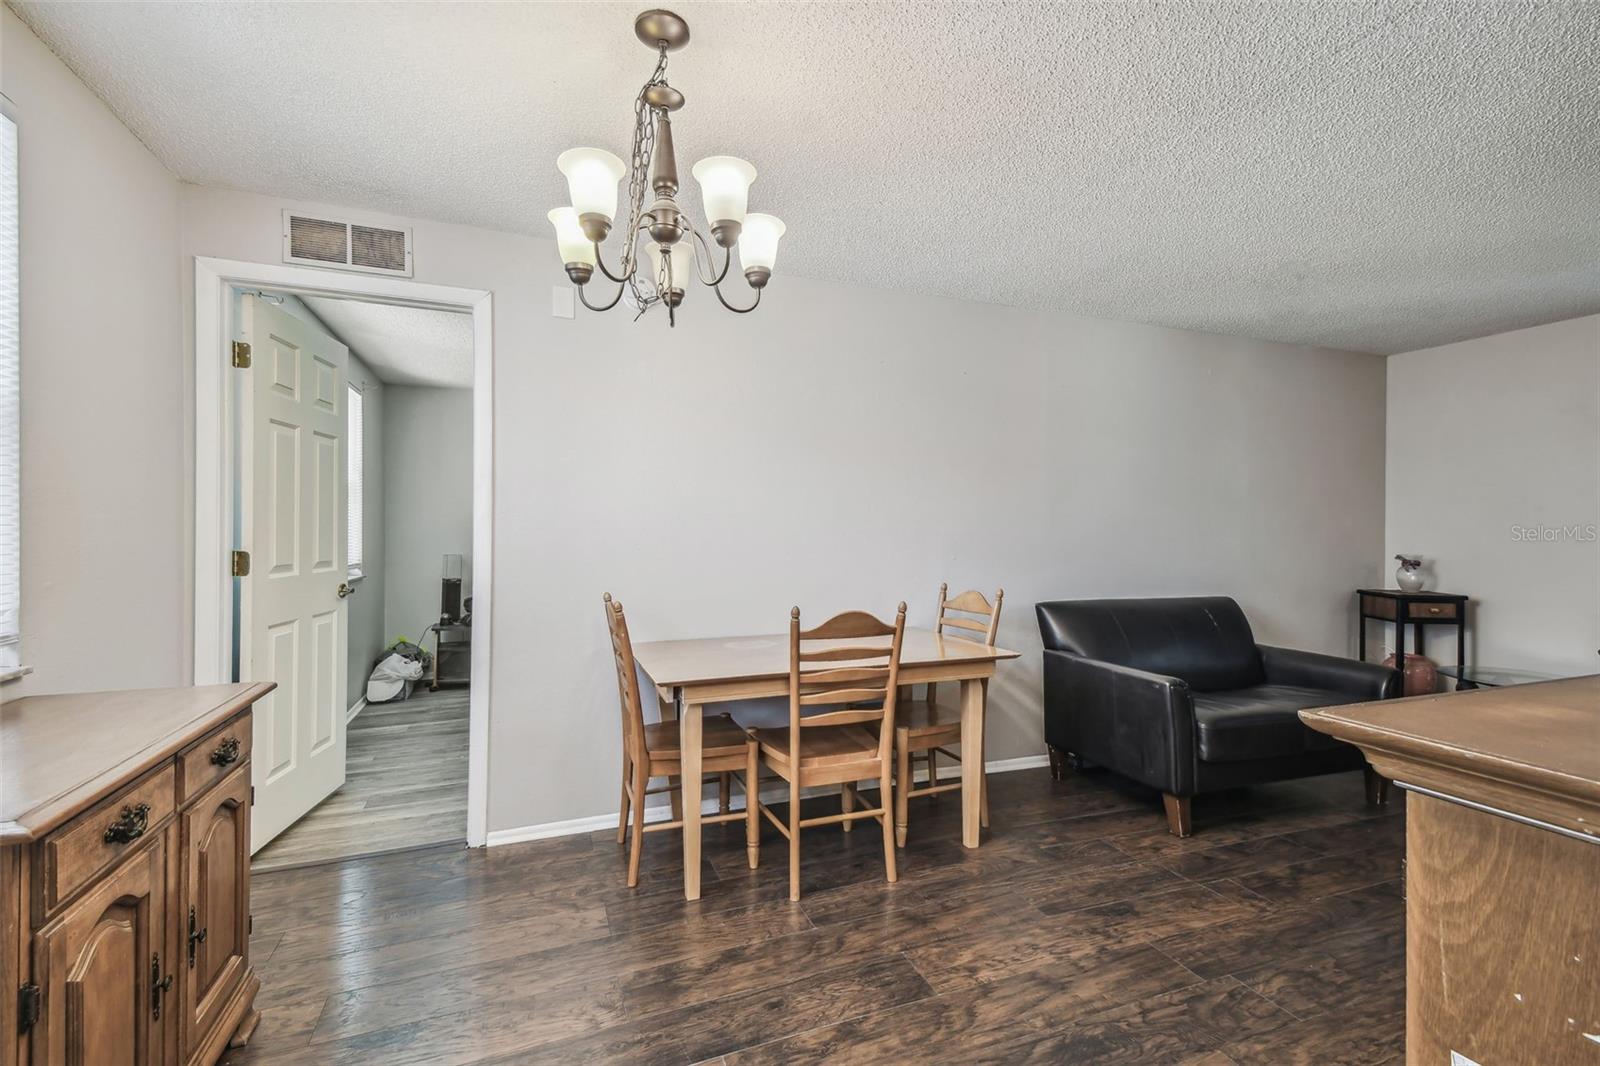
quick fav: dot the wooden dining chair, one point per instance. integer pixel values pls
(837, 746)
(926, 727)
(654, 751)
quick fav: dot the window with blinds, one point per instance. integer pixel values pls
(355, 445)
(10, 454)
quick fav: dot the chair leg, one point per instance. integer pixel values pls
(752, 805)
(884, 792)
(622, 811)
(676, 784)
(641, 781)
(1377, 788)
(902, 795)
(724, 792)
(847, 803)
(794, 835)
(933, 768)
(1179, 823)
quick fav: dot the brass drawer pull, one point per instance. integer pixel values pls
(227, 752)
(130, 824)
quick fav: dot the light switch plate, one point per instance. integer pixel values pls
(561, 304)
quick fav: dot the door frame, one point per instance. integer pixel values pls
(213, 469)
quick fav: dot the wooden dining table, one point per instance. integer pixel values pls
(692, 674)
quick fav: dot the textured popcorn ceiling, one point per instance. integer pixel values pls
(402, 345)
(1379, 176)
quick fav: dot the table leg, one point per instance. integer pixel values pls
(689, 723)
(971, 760)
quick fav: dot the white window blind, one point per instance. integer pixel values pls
(10, 452)
(355, 445)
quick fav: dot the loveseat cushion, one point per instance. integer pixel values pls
(1259, 722)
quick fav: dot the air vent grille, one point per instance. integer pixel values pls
(380, 249)
(346, 245)
(319, 239)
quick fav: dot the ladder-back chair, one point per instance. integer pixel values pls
(927, 728)
(654, 751)
(841, 664)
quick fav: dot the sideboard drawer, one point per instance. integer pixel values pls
(74, 854)
(212, 757)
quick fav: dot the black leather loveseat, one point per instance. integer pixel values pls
(1176, 693)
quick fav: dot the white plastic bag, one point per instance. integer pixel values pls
(391, 678)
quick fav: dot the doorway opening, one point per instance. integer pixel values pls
(353, 491)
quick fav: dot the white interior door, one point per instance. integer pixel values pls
(293, 623)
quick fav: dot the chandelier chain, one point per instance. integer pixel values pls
(644, 139)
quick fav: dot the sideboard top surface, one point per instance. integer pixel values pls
(1543, 737)
(58, 754)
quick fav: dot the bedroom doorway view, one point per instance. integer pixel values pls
(353, 465)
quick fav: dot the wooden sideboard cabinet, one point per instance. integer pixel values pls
(125, 877)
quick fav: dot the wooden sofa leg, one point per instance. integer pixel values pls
(1377, 788)
(1055, 762)
(1179, 823)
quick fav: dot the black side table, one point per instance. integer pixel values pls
(1418, 610)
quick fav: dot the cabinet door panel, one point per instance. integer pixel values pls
(96, 965)
(216, 893)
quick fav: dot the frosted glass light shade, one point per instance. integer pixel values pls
(682, 263)
(575, 247)
(758, 241)
(724, 187)
(592, 176)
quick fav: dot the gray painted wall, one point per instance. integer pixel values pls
(428, 506)
(852, 447)
(105, 554)
(1494, 478)
(843, 447)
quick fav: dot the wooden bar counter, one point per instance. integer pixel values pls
(1502, 866)
(125, 877)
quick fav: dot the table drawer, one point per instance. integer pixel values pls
(211, 758)
(75, 854)
(1426, 611)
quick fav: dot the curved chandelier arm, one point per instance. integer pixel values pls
(727, 260)
(737, 310)
(600, 261)
(585, 300)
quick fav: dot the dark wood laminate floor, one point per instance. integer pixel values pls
(1080, 932)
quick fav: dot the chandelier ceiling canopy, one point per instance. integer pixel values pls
(677, 249)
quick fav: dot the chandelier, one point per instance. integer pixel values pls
(592, 178)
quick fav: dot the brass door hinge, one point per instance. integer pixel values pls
(241, 355)
(241, 564)
(28, 1001)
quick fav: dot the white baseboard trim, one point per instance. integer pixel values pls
(355, 708)
(661, 811)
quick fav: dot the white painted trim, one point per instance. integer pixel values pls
(355, 708)
(214, 465)
(661, 810)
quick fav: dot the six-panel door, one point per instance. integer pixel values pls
(215, 832)
(103, 967)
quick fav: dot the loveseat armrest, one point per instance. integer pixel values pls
(1348, 677)
(1135, 722)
